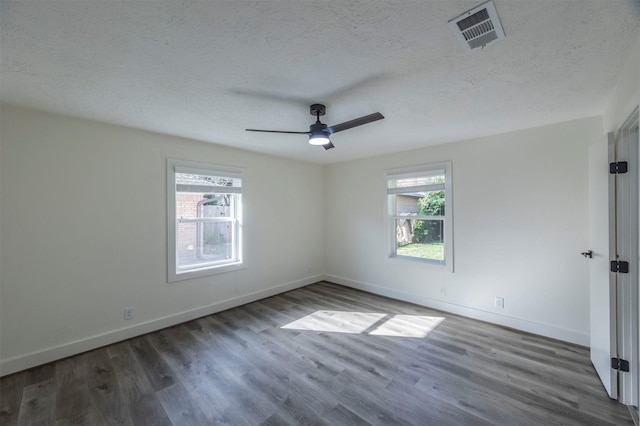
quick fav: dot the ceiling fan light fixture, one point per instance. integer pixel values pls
(319, 138)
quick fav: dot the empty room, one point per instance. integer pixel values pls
(286, 212)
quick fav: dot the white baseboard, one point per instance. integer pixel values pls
(64, 350)
(547, 330)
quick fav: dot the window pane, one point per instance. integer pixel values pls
(407, 204)
(432, 204)
(407, 182)
(217, 240)
(420, 203)
(216, 205)
(204, 242)
(195, 205)
(420, 238)
(189, 182)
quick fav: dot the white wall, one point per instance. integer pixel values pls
(625, 96)
(84, 234)
(519, 224)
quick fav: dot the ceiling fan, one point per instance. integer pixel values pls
(319, 132)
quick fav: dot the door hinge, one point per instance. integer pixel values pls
(620, 364)
(620, 266)
(618, 168)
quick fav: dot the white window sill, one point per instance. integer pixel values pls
(203, 272)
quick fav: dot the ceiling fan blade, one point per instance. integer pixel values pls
(355, 122)
(276, 131)
(328, 145)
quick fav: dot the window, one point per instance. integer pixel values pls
(419, 214)
(205, 219)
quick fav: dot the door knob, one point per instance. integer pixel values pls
(588, 254)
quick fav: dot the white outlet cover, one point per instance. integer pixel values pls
(128, 313)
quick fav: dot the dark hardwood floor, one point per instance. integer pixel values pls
(322, 354)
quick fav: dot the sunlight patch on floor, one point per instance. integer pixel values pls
(372, 323)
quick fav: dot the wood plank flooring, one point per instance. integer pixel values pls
(322, 355)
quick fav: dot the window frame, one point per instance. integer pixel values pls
(391, 216)
(174, 272)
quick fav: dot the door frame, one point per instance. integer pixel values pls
(624, 237)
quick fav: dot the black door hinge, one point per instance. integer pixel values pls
(620, 364)
(620, 266)
(618, 168)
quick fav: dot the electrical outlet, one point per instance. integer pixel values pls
(128, 313)
(499, 302)
(443, 291)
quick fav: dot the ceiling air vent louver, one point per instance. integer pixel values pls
(478, 26)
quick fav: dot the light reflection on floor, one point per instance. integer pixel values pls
(372, 323)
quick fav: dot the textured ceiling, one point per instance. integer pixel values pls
(209, 69)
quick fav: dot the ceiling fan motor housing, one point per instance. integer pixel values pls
(317, 110)
(318, 127)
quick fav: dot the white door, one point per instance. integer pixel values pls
(602, 294)
(613, 270)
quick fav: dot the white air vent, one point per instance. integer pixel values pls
(478, 26)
